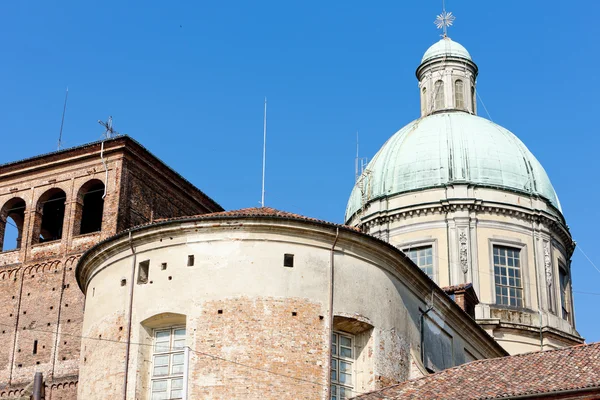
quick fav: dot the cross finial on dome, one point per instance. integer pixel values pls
(444, 20)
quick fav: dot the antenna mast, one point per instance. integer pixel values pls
(62, 122)
(262, 201)
(356, 160)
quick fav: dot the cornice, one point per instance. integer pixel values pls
(445, 207)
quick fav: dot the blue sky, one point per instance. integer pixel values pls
(187, 79)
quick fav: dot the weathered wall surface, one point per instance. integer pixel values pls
(41, 304)
(258, 329)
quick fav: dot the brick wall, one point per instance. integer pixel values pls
(40, 301)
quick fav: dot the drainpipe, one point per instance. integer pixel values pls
(128, 344)
(331, 268)
(38, 386)
(105, 169)
(422, 327)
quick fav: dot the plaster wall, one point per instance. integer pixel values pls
(241, 305)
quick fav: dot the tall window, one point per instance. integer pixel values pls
(52, 205)
(342, 360)
(459, 94)
(93, 207)
(423, 257)
(439, 95)
(12, 217)
(424, 100)
(564, 291)
(473, 99)
(507, 275)
(168, 364)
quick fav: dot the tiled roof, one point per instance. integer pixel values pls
(457, 288)
(537, 374)
(256, 212)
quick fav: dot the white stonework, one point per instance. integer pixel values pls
(454, 196)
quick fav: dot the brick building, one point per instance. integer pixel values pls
(61, 204)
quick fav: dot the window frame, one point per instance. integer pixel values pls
(171, 353)
(525, 282)
(564, 294)
(336, 359)
(457, 92)
(438, 90)
(405, 247)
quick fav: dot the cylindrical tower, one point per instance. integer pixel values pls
(259, 303)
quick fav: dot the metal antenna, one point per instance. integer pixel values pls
(109, 131)
(62, 122)
(444, 20)
(356, 160)
(262, 201)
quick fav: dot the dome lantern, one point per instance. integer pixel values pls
(447, 77)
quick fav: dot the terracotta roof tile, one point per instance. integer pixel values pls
(538, 373)
(255, 212)
(456, 288)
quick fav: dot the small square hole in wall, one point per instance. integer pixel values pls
(219, 311)
(288, 260)
(294, 313)
(163, 266)
(190, 260)
(123, 281)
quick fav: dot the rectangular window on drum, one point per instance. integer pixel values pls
(168, 362)
(563, 276)
(423, 257)
(508, 276)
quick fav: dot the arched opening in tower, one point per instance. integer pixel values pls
(11, 224)
(93, 207)
(53, 215)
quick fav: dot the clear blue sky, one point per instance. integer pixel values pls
(187, 79)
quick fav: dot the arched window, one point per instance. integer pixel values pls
(166, 339)
(473, 99)
(424, 100)
(459, 94)
(12, 217)
(51, 206)
(439, 95)
(90, 206)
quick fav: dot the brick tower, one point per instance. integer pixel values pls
(61, 204)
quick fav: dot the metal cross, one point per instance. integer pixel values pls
(444, 20)
(109, 131)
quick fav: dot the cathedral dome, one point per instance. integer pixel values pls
(450, 148)
(446, 47)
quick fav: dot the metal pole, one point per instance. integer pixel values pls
(62, 122)
(262, 201)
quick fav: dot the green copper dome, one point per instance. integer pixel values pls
(446, 47)
(452, 147)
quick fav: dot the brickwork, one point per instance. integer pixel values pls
(262, 334)
(41, 306)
